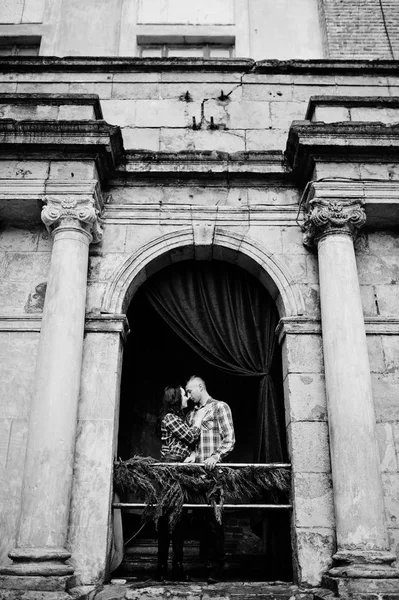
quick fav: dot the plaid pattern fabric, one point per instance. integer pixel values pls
(178, 438)
(217, 430)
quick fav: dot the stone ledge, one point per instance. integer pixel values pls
(123, 589)
(52, 63)
(306, 326)
(208, 164)
(350, 102)
(310, 142)
(243, 65)
(54, 100)
(100, 323)
(64, 139)
(26, 594)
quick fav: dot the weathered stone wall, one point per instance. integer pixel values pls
(154, 114)
(18, 359)
(377, 259)
(25, 258)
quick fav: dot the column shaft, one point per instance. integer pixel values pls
(358, 495)
(52, 426)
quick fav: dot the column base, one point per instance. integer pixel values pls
(358, 564)
(37, 573)
(362, 588)
(363, 574)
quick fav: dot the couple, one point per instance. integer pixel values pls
(205, 435)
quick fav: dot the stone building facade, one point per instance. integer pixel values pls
(279, 155)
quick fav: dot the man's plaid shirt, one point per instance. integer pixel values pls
(178, 438)
(217, 430)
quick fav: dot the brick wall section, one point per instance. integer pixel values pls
(356, 28)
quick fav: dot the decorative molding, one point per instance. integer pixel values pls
(118, 323)
(308, 326)
(221, 215)
(64, 210)
(21, 323)
(35, 189)
(94, 323)
(329, 217)
(381, 326)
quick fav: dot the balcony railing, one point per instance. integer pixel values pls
(282, 484)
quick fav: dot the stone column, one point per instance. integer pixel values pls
(362, 539)
(41, 545)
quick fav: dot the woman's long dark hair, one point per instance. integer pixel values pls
(171, 402)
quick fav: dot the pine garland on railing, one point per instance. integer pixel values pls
(166, 487)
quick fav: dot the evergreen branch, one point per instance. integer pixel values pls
(165, 488)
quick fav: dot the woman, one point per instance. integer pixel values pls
(178, 441)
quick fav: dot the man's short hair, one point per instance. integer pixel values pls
(197, 378)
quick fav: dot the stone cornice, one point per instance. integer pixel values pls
(54, 100)
(117, 64)
(243, 65)
(63, 139)
(309, 143)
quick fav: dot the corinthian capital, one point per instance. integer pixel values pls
(72, 210)
(326, 216)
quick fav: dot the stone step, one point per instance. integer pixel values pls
(201, 591)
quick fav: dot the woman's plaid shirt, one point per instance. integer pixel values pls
(217, 430)
(178, 438)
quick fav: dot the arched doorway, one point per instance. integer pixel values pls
(156, 355)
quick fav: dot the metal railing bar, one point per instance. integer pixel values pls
(263, 465)
(262, 506)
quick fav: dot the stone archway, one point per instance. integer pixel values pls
(204, 242)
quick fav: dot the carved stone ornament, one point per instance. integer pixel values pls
(325, 217)
(72, 210)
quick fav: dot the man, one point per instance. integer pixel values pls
(216, 441)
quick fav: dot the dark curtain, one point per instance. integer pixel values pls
(229, 319)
